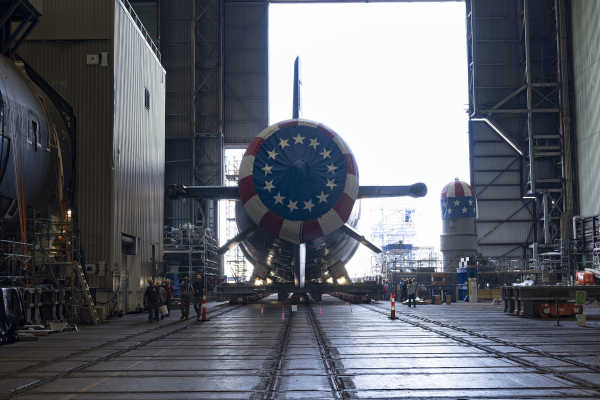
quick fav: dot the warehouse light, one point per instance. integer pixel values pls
(341, 280)
(258, 282)
(269, 281)
(329, 280)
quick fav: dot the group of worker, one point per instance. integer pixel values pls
(158, 295)
(404, 290)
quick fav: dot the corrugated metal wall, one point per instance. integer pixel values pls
(61, 60)
(74, 19)
(246, 71)
(586, 70)
(120, 144)
(177, 48)
(138, 149)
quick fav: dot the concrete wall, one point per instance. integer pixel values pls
(138, 151)
(586, 69)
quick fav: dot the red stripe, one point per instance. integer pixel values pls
(344, 207)
(327, 131)
(458, 190)
(311, 230)
(350, 164)
(271, 223)
(247, 189)
(285, 124)
(254, 146)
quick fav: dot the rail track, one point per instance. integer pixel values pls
(178, 326)
(421, 322)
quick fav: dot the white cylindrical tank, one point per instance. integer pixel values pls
(459, 233)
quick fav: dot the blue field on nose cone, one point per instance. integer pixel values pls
(299, 173)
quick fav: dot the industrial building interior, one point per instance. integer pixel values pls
(132, 130)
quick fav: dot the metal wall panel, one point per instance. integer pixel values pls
(178, 56)
(504, 218)
(138, 150)
(74, 19)
(246, 71)
(586, 70)
(89, 89)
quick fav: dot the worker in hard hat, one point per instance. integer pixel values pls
(187, 294)
(411, 290)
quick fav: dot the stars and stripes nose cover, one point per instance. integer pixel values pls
(458, 201)
(298, 180)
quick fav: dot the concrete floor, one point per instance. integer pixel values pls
(458, 351)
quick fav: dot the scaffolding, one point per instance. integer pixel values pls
(235, 262)
(394, 225)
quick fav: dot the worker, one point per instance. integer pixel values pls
(163, 311)
(197, 300)
(152, 301)
(168, 290)
(403, 290)
(187, 294)
(411, 289)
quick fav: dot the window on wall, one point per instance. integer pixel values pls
(147, 98)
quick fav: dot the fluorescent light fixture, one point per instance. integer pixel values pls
(499, 132)
(529, 196)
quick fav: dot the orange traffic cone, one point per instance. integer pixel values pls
(204, 306)
(393, 313)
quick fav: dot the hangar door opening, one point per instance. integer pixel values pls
(391, 79)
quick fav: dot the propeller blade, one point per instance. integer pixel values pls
(237, 239)
(416, 190)
(350, 231)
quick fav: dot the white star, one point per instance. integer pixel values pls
(298, 139)
(314, 143)
(330, 184)
(470, 202)
(283, 143)
(449, 211)
(267, 168)
(322, 197)
(272, 154)
(292, 205)
(269, 186)
(308, 205)
(456, 203)
(279, 198)
(464, 210)
(325, 153)
(331, 168)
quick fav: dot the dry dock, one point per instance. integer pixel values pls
(332, 350)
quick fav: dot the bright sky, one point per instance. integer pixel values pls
(392, 80)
